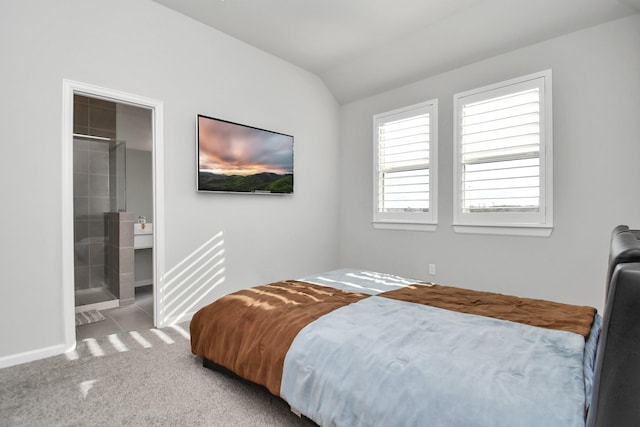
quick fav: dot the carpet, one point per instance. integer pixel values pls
(90, 316)
(144, 378)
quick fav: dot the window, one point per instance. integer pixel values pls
(405, 172)
(503, 164)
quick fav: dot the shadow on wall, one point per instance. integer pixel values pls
(193, 278)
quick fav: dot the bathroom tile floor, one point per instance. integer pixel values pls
(93, 295)
(137, 316)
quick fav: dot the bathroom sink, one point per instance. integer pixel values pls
(138, 228)
(142, 237)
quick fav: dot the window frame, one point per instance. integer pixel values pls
(416, 221)
(513, 223)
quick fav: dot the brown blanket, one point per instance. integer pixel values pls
(249, 332)
(545, 314)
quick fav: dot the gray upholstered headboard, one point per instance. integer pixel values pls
(616, 394)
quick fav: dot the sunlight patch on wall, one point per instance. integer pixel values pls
(191, 280)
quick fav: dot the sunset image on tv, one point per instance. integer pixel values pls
(238, 158)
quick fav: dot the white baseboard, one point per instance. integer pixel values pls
(104, 305)
(30, 356)
(177, 319)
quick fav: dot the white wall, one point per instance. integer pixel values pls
(134, 128)
(144, 49)
(596, 101)
(139, 173)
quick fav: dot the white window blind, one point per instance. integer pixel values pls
(404, 167)
(503, 154)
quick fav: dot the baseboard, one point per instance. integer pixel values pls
(125, 302)
(105, 305)
(30, 356)
(178, 319)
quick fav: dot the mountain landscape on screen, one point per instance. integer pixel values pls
(243, 159)
(260, 182)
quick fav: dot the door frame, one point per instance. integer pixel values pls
(69, 89)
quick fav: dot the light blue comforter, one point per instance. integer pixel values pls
(432, 367)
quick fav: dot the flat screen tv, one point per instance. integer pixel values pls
(236, 158)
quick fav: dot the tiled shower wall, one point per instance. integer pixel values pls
(91, 188)
(94, 117)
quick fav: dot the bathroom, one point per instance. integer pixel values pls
(113, 216)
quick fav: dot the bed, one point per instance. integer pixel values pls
(362, 348)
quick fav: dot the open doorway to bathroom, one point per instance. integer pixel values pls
(70, 89)
(113, 214)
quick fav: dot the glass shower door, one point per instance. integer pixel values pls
(99, 187)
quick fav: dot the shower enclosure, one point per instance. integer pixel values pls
(98, 188)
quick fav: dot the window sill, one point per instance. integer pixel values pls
(407, 226)
(533, 231)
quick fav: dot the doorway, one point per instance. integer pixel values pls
(95, 203)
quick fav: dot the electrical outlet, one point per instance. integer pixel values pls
(432, 269)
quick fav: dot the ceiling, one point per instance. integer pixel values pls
(363, 47)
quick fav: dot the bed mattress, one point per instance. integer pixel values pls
(359, 348)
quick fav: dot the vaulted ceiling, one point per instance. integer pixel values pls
(362, 47)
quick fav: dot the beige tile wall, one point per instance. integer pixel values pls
(120, 256)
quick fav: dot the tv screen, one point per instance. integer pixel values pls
(243, 159)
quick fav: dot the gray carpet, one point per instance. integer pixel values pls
(151, 379)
